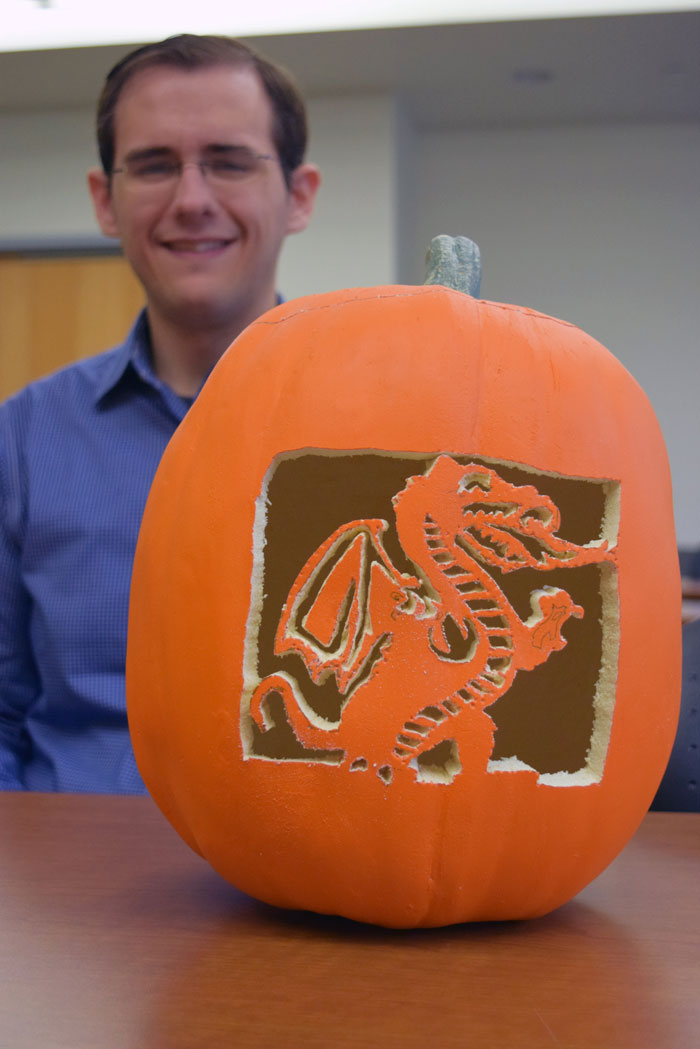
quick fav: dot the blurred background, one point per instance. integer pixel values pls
(566, 145)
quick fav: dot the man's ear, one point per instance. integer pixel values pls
(303, 188)
(100, 191)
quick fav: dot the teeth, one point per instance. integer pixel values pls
(196, 246)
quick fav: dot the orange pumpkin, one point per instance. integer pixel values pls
(404, 637)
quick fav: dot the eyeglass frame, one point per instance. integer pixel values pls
(206, 167)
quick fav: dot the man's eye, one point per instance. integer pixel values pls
(230, 166)
(154, 169)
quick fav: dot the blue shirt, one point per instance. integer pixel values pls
(78, 451)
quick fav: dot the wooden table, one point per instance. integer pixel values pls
(113, 935)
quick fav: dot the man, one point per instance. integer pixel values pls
(202, 146)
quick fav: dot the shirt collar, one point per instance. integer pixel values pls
(134, 353)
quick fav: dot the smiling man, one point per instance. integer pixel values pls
(203, 179)
(202, 144)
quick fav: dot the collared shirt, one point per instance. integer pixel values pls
(78, 451)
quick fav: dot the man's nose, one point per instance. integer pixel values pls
(192, 190)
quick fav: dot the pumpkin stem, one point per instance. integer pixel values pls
(454, 262)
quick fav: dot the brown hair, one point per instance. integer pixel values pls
(187, 52)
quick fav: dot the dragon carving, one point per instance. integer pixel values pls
(352, 614)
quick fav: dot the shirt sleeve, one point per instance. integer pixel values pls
(18, 677)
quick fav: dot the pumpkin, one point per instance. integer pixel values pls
(404, 639)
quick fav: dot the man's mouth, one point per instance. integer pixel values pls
(196, 247)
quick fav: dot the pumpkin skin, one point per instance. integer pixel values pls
(401, 373)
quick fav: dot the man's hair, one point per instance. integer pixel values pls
(189, 52)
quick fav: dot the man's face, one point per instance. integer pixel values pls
(205, 252)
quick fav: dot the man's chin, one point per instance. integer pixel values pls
(199, 315)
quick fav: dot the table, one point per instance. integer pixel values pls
(113, 935)
(690, 607)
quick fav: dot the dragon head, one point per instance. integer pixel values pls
(503, 525)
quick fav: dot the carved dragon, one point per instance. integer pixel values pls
(353, 615)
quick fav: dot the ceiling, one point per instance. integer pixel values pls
(632, 67)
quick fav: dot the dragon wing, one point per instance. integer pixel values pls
(338, 614)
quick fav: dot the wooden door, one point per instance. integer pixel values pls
(57, 310)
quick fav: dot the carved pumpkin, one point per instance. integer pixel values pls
(405, 627)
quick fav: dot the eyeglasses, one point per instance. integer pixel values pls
(224, 168)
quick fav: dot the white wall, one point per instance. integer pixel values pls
(351, 241)
(599, 226)
(43, 160)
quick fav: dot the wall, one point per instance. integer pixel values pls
(43, 162)
(351, 242)
(596, 224)
(601, 226)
